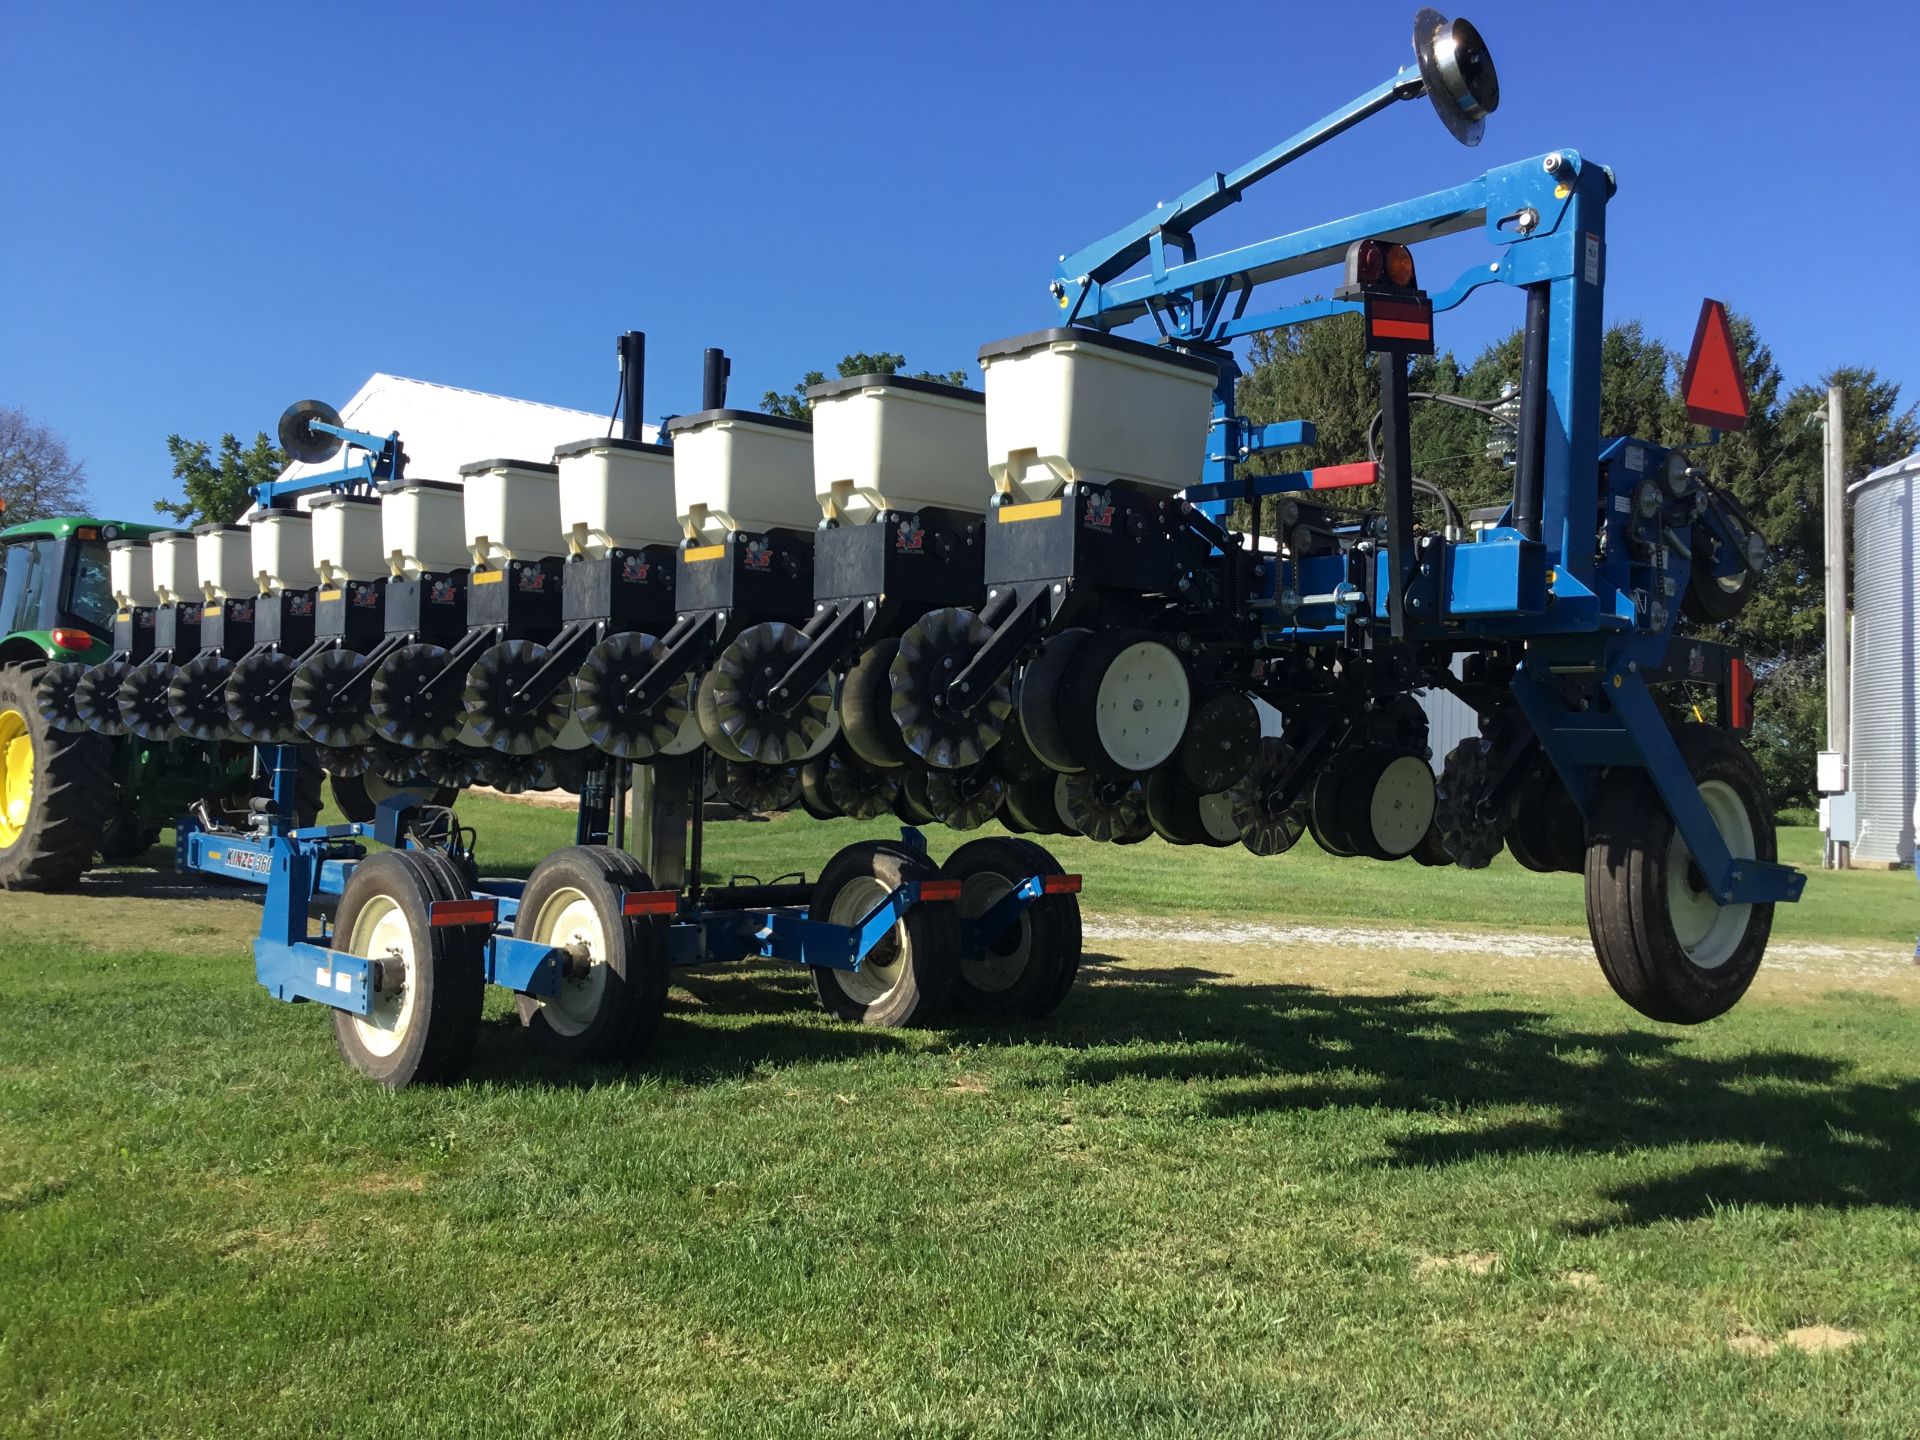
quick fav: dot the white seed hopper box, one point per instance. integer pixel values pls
(224, 554)
(616, 494)
(176, 568)
(889, 442)
(740, 470)
(282, 551)
(512, 510)
(130, 572)
(423, 528)
(1070, 404)
(346, 538)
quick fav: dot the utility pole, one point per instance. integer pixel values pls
(1838, 717)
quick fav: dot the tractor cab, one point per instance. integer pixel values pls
(56, 600)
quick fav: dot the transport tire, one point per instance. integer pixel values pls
(56, 792)
(1018, 973)
(908, 978)
(1664, 946)
(1386, 803)
(609, 1011)
(1068, 970)
(1124, 703)
(1037, 700)
(866, 709)
(422, 1028)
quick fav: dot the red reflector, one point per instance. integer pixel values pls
(73, 639)
(1739, 694)
(650, 902)
(1336, 477)
(939, 889)
(1059, 884)
(462, 912)
(1402, 329)
(1715, 393)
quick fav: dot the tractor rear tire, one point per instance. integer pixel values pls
(1663, 945)
(56, 792)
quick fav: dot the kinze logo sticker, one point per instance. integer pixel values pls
(1099, 514)
(367, 597)
(635, 569)
(444, 592)
(533, 580)
(909, 537)
(759, 555)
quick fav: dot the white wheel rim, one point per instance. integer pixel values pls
(568, 918)
(1402, 807)
(1709, 933)
(885, 963)
(381, 932)
(1216, 816)
(1005, 959)
(1140, 709)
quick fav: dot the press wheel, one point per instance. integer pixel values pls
(603, 701)
(328, 705)
(260, 699)
(736, 703)
(416, 700)
(935, 649)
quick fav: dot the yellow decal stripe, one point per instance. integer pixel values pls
(704, 552)
(1037, 510)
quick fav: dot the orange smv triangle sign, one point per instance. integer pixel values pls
(1712, 386)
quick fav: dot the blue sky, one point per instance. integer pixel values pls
(215, 210)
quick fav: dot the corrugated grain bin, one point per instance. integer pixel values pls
(224, 554)
(616, 494)
(283, 551)
(1070, 404)
(130, 571)
(887, 442)
(1884, 760)
(740, 470)
(176, 568)
(512, 511)
(423, 528)
(346, 538)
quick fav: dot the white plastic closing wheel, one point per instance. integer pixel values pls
(1402, 806)
(1140, 710)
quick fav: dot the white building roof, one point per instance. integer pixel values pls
(443, 427)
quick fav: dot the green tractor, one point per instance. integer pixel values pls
(67, 797)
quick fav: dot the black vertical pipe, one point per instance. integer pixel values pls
(1530, 478)
(1396, 478)
(713, 383)
(633, 384)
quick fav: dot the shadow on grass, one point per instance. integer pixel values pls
(1828, 1138)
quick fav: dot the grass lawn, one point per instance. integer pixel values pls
(1344, 1187)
